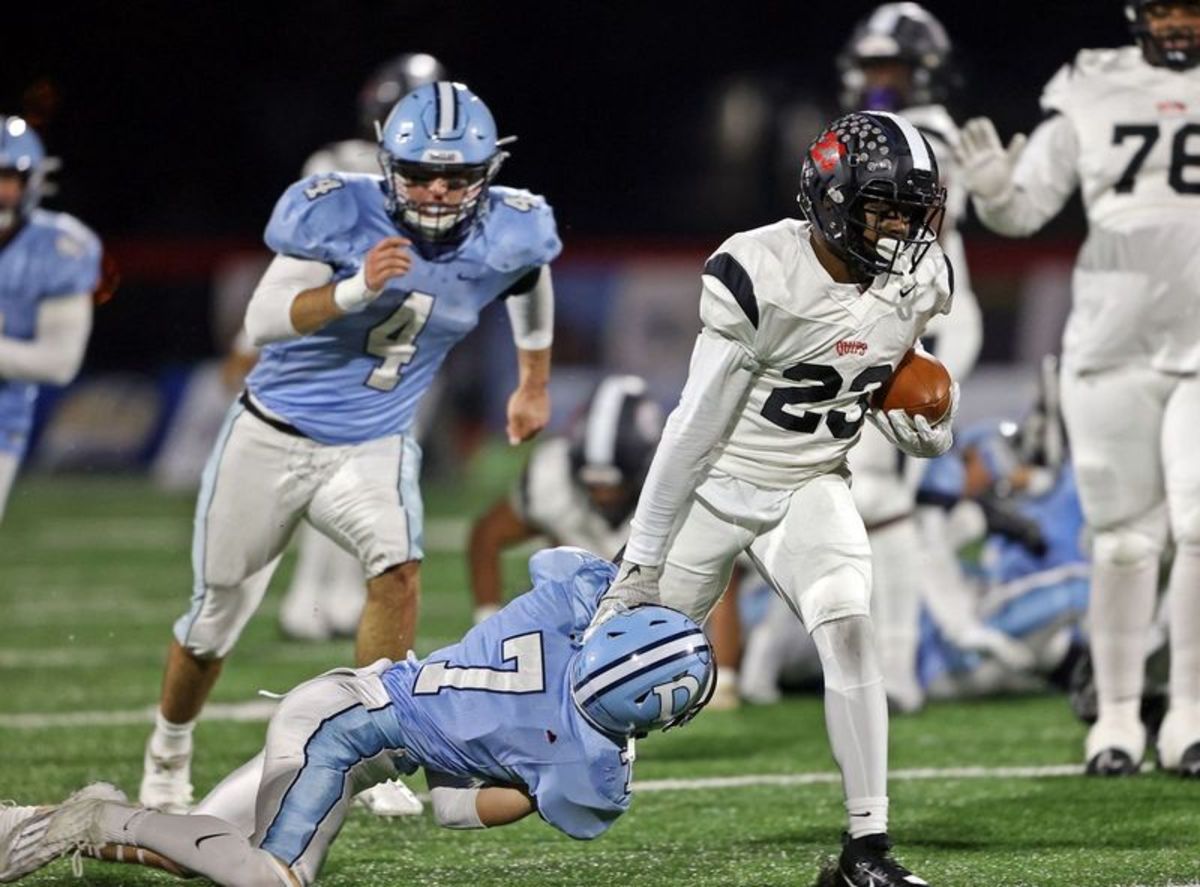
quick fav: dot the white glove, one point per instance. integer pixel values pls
(995, 644)
(636, 584)
(987, 167)
(914, 434)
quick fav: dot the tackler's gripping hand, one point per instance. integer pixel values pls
(635, 585)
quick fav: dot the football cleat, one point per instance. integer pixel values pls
(1179, 742)
(391, 798)
(1111, 762)
(1189, 764)
(166, 781)
(868, 862)
(1114, 749)
(31, 837)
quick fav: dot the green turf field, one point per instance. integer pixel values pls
(92, 573)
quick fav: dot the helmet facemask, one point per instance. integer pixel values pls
(922, 210)
(1177, 48)
(438, 221)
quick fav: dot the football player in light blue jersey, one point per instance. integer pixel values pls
(521, 715)
(375, 279)
(49, 267)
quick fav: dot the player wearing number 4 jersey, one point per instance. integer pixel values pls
(374, 281)
(1124, 127)
(802, 321)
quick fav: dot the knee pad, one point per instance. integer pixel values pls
(1134, 542)
(847, 651)
(842, 592)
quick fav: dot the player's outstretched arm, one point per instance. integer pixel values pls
(460, 803)
(297, 296)
(530, 306)
(529, 404)
(55, 353)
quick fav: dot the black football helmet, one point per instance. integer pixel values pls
(897, 32)
(1178, 48)
(391, 81)
(872, 157)
(613, 442)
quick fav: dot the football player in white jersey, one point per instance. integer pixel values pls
(1124, 127)
(802, 322)
(328, 589)
(900, 59)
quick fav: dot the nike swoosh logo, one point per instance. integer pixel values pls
(904, 293)
(860, 814)
(204, 838)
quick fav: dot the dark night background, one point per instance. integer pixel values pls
(180, 123)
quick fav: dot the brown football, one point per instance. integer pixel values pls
(919, 386)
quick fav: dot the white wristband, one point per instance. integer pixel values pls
(352, 294)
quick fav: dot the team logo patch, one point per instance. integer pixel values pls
(851, 346)
(827, 151)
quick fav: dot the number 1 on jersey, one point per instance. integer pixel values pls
(394, 340)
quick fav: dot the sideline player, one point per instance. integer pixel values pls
(520, 715)
(1124, 127)
(49, 267)
(326, 594)
(375, 280)
(802, 322)
(900, 59)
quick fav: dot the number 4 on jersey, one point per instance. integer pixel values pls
(394, 340)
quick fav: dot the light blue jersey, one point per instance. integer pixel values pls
(52, 255)
(497, 705)
(362, 376)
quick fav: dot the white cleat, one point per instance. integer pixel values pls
(31, 837)
(1179, 741)
(166, 781)
(391, 798)
(1114, 748)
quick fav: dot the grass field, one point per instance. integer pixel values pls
(93, 572)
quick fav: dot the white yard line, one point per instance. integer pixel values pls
(258, 710)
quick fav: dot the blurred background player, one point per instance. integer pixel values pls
(753, 457)
(328, 589)
(49, 268)
(1122, 126)
(520, 715)
(373, 283)
(899, 59)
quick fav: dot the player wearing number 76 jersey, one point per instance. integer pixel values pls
(1124, 127)
(802, 322)
(374, 281)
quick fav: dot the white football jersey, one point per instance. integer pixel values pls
(352, 155)
(1128, 135)
(820, 349)
(955, 337)
(549, 498)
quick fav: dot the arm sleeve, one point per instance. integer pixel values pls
(531, 311)
(269, 314)
(720, 373)
(55, 354)
(1045, 176)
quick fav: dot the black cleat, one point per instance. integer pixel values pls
(1189, 764)
(1113, 762)
(868, 862)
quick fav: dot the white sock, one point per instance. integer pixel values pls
(206, 845)
(1119, 617)
(856, 718)
(1184, 607)
(896, 608)
(169, 739)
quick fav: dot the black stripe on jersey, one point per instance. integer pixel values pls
(950, 274)
(726, 269)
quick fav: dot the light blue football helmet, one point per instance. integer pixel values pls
(21, 151)
(444, 131)
(643, 669)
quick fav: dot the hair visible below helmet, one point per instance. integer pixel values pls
(439, 130)
(613, 442)
(21, 151)
(390, 82)
(648, 668)
(1178, 48)
(865, 157)
(897, 32)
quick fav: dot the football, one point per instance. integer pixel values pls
(920, 386)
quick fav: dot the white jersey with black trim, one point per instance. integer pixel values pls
(956, 337)
(549, 499)
(819, 349)
(1127, 134)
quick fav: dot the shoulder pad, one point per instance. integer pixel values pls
(519, 230)
(1056, 97)
(733, 278)
(316, 216)
(73, 257)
